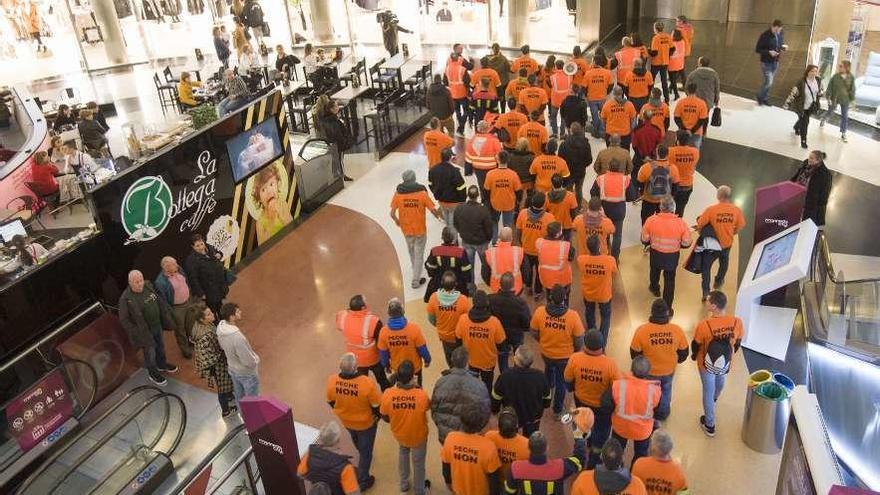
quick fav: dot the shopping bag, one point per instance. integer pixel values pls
(694, 262)
(716, 117)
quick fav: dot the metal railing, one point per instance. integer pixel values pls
(209, 459)
(253, 475)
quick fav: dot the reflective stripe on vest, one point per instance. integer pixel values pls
(455, 76)
(492, 260)
(564, 247)
(366, 339)
(603, 195)
(665, 244)
(475, 150)
(621, 405)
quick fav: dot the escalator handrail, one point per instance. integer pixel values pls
(99, 444)
(832, 275)
(64, 448)
(243, 458)
(209, 459)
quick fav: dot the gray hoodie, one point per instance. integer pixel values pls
(708, 84)
(241, 358)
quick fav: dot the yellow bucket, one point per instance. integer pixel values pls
(759, 377)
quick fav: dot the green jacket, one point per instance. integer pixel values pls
(840, 89)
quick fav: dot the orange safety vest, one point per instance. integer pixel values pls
(676, 59)
(357, 327)
(455, 72)
(626, 60)
(612, 186)
(560, 87)
(482, 150)
(665, 231)
(553, 265)
(634, 403)
(503, 258)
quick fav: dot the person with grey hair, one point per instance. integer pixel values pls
(171, 284)
(618, 115)
(660, 469)
(473, 222)
(633, 399)
(666, 234)
(726, 221)
(481, 155)
(523, 388)
(456, 390)
(401, 340)
(143, 314)
(408, 206)
(237, 93)
(355, 400)
(326, 468)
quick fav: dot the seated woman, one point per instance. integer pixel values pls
(90, 131)
(56, 151)
(185, 91)
(83, 165)
(65, 118)
(28, 253)
(43, 174)
(98, 114)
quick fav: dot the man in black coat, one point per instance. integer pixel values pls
(514, 314)
(574, 108)
(578, 155)
(447, 185)
(523, 388)
(143, 314)
(206, 274)
(770, 46)
(473, 222)
(439, 101)
(815, 176)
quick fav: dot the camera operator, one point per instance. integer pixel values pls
(390, 28)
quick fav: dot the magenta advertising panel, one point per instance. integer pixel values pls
(777, 207)
(269, 423)
(40, 410)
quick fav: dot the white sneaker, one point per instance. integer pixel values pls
(843, 138)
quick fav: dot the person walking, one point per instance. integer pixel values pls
(613, 150)
(498, 62)
(482, 150)
(593, 222)
(560, 88)
(637, 85)
(683, 156)
(448, 257)
(457, 79)
(405, 407)
(546, 165)
(525, 62)
(618, 115)
(444, 309)
(221, 46)
(574, 109)
(435, 141)
(646, 137)
(666, 234)
(589, 375)
(531, 225)
(726, 220)
(355, 400)
(242, 360)
(523, 388)
(504, 188)
(662, 48)
(470, 461)
(439, 101)
(171, 285)
(143, 314)
(360, 329)
(209, 360)
(841, 92)
(609, 477)
(206, 275)
(597, 273)
(659, 111)
(505, 258)
(481, 334)
(559, 332)
(708, 84)
(676, 62)
(511, 446)
(607, 202)
(514, 315)
(456, 390)
(324, 464)
(664, 345)
(692, 114)
(408, 207)
(488, 75)
(815, 176)
(534, 132)
(402, 340)
(633, 399)
(804, 101)
(534, 100)
(599, 83)
(716, 340)
(507, 125)
(683, 25)
(447, 185)
(332, 128)
(539, 475)
(473, 222)
(515, 86)
(484, 103)
(520, 161)
(554, 259)
(658, 180)
(578, 155)
(770, 45)
(660, 472)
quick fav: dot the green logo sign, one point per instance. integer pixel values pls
(146, 209)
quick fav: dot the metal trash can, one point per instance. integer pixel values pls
(766, 417)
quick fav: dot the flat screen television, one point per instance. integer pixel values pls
(11, 229)
(776, 254)
(254, 148)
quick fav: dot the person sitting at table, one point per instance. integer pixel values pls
(65, 118)
(185, 91)
(43, 174)
(28, 253)
(284, 62)
(75, 160)
(56, 149)
(90, 132)
(99, 115)
(237, 93)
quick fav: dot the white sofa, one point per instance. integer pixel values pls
(868, 86)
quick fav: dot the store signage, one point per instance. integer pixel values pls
(40, 411)
(269, 424)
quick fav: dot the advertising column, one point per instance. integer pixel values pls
(269, 424)
(777, 207)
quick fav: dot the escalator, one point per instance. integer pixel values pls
(230, 468)
(127, 450)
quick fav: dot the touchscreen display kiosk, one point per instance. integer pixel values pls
(776, 254)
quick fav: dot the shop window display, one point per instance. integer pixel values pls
(50, 49)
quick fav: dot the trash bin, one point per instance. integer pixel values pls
(766, 417)
(759, 377)
(785, 381)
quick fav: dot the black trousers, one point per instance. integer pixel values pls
(378, 372)
(682, 196)
(530, 263)
(648, 209)
(674, 78)
(664, 78)
(665, 263)
(803, 123)
(448, 348)
(486, 376)
(624, 141)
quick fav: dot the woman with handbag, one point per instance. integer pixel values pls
(815, 176)
(804, 101)
(210, 360)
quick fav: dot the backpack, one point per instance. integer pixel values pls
(718, 354)
(659, 183)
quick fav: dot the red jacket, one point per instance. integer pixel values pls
(645, 139)
(43, 176)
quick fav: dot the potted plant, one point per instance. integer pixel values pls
(203, 115)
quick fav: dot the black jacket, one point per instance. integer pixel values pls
(766, 42)
(513, 313)
(578, 155)
(574, 109)
(334, 130)
(131, 316)
(473, 223)
(92, 134)
(526, 390)
(446, 183)
(520, 162)
(206, 275)
(439, 101)
(818, 191)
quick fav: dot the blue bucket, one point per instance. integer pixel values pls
(786, 382)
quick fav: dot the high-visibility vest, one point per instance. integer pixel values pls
(504, 258)
(634, 403)
(357, 328)
(612, 186)
(455, 75)
(482, 150)
(553, 265)
(676, 59)
(665, 232)
(560, 87)
(626, 59)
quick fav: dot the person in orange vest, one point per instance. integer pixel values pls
(402, 340)
(520, 83)
(503, 258)
(507, 125)
(692, 114)
(665, 346)
(360, 328)
(619, 115)
(481, 334)
(525, 62)
(659, 111)
(726, 220)
(546, 165)
(435, 141)
(535, 133)
(480, 154)
(355, 400)
(457, 79)
(554, 259)
(716, 340)
(633, 399)
(661, 49)
(408, 207)
(676, 62)
(593, 222)
(611, 477)
(560, 88)
(597, 273)
(562, 204)
(504, 190)
(637, 85)
(598, 82)
(444, 309)
(666, 234)
(684, 156)
(625, 59)
(487, 74)
(658, 180)
(611, 188)
(560, 333)
(660, 472)
(534, 98)
(531, 225)
(510, 444)
(483, 104)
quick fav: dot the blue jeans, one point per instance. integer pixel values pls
(363, 441)
(844, 114)
(706, 270)
(554, 370)
(417, 455)
(640, 447)
(228, 106)
(768, 71)
(661, 412)
(712, 387)
(697, 140)
(604, 313)
(461, 113)
(506, 218)
(475, 249)
(554, 124)
(159, 359)
(244, 385)
(598, 124)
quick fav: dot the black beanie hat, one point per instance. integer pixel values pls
(594, 340)
(659, 311)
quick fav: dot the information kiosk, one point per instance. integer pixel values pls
(775, 262)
